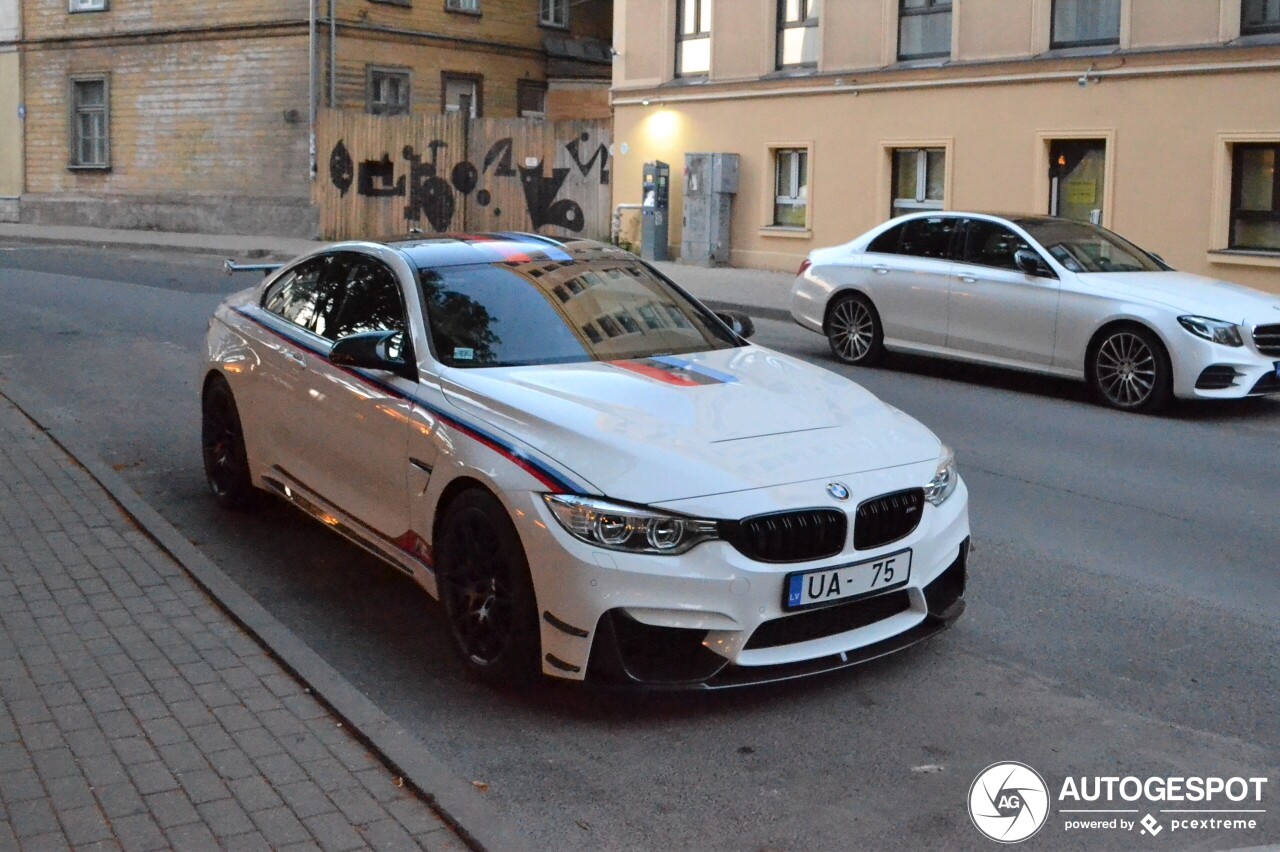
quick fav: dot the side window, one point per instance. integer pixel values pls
(887, 243)
(929, 237)
(991, 244)
(305, 295)
(372, 302)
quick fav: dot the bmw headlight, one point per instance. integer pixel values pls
(632, 529)
(944, 479)
(1226, 333)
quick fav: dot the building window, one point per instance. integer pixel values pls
(919, 179)
(531, 99)
(461, 93)
(87, 6)
(553, 13)
(1081, 23)
(90, 139)
(798, 32)
(791, 188)
(387, 92)
(472, 6)
(1255, 197)
(693, 40)
(924, 28)
(1260, 16)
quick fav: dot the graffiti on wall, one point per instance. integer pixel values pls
(434, 189)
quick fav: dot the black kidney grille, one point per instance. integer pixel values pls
(827, 621)
(888, 518)
(1267, 339)
(789, 536)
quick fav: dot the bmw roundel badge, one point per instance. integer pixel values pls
(838, 490)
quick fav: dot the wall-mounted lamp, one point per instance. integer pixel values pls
(1087, 77)
(644, 102)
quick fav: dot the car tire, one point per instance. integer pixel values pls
(854, 331)
(487, 591)
(1129, 369)
(226, 464)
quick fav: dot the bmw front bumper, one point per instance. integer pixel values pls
(712, 617)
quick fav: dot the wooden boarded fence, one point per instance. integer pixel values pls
(386, 175)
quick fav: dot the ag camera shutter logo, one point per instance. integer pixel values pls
(1008, 802)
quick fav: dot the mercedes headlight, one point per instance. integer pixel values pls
(944, 479)
(632, 529)
(1217, 331)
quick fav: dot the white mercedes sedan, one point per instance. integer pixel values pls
(1046, 295)
(594, 473)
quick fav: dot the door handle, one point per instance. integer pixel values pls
(296, 359)
(882, 270)
(968, 279)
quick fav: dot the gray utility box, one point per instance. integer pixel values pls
(710, 182)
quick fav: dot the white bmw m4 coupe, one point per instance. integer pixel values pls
(1045, 295)
(595, 474)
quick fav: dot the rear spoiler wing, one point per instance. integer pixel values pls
(230, 266)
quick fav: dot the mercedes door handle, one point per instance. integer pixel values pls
(881, 270)
(296, 360)
(968, 279)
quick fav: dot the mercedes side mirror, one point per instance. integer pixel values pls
(1029, 262)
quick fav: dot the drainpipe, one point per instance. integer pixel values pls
(333, 56)
(311, 84)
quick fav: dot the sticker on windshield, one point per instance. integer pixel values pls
(464, 353)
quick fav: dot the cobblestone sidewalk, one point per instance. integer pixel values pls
(136, 715)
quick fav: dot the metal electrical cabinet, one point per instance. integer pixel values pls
(654, 211)
(710, 182)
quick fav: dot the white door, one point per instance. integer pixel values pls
(359, 418)
(997, 310)
(909, 270)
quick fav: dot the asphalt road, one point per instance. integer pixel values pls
(1123, 604)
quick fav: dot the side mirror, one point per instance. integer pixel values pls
(738, 322)
(1030, 262)
(374, 350)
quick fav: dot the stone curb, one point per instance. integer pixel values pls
(453, 798)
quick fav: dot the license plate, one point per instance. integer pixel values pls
(830, 585)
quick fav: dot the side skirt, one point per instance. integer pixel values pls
(283, 485)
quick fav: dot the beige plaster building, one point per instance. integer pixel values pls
(1159, 119)
(11, 119)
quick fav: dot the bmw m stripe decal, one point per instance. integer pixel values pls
(534, 467)
(676, 371)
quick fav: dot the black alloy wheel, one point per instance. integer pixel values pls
(486, 590)
(854, 332)
(226, 464)
(1130, 370)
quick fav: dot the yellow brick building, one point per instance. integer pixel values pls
(199, 117)
(10, 111)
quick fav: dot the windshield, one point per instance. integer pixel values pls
(547, 312)
(1088, 248)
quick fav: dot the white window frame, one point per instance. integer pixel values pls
(87, 6)
(798, 198)
(75, 111)
(921, 200)
(553, 13)
(701, 32)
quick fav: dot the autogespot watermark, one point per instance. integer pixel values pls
(1009, 802)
